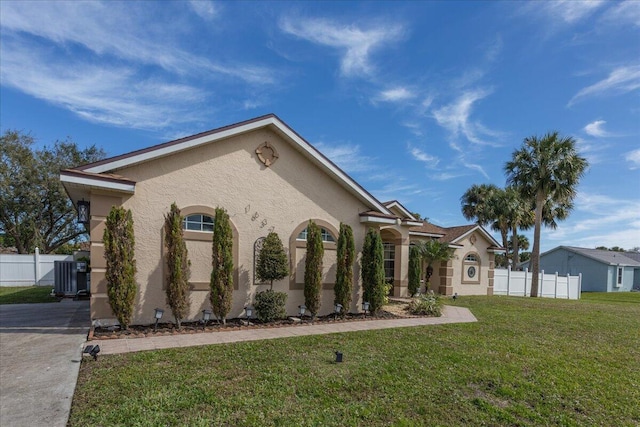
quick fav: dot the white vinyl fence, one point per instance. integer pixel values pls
(29, 269)
(518, 283)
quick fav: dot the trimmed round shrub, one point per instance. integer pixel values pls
(270, 306)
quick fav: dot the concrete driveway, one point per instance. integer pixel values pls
(40, 352)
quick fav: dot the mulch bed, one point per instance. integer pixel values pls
(164, 329)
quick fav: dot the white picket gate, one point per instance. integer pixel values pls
(518, 283)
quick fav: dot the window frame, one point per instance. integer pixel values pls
(200, 222)
(323, 233)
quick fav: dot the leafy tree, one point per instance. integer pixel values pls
(34, 208)
(525, 256)
(432, 251)
(415, 270)
(272, 260)
(373, 270)
(121, 269)
(344, 272)
(178, 265)
(222, 261)
(313, 269)
(546, 171)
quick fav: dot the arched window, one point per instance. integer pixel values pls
(471, 268)
(326, 235)
(198, 222)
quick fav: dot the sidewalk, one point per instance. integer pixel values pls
(113, 346)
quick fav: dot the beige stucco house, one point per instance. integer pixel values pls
(268, 178)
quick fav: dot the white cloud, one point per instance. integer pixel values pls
(455, 117)
(205, 9)
(357, 44)
(116, 96)
(348, 157)
(620, 217)
(592, 151)
(634, 158)
(397, 94)
(421, 156)
(626, 11)
(570, 11)
(112, 30)
(596, 129)
(620, 80)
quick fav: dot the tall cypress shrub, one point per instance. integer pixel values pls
(119, 246)
(373, 270)
(222, 261)
(415, 270)
(344, 273)
(178, 264)
(313, 269)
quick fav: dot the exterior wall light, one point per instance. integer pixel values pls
(158, 315)
(83, 212)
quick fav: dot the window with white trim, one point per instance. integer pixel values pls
(326, 235)
(620, 271)
(471, 258)
(389, 260)
(198, 222)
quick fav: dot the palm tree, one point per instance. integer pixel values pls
(476, 203)
(433, 251)
(546, 171)
(519, 216)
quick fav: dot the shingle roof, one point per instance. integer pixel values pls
(607, 257)
(452, 233)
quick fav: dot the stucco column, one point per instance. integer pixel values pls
(492, 265)
(401, 268)
(446, 278)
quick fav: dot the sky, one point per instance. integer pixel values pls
(417, 101)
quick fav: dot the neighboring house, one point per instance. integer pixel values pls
(268, 178)
(602, 271)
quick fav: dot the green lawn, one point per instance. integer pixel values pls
(527, 362)
(26, 294)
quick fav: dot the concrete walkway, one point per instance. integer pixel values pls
(40, 351)
(113, 346)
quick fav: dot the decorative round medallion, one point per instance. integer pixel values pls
(472, 239)
(267, 153)
(471, 272)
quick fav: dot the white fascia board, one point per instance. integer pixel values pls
(412, 223)
(97, 183)
(455, 246)
(396, 204)
(377, 220)
(118, 164)
(482, 231)
(497, 251)
(421, 234)
(160, 152)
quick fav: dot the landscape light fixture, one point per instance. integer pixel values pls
(92, 350)
(365, 307)
(302, 308)
(455, 296)
(337, 309)
(158, 315)
(249, 310)
(83, 212)
(338, 357)
(206, 316)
